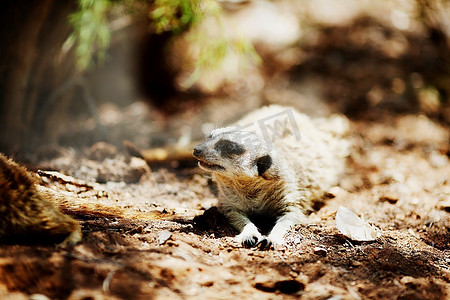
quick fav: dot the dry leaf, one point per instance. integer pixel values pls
(163, 236)
(350, 225)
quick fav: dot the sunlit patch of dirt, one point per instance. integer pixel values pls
(397, 179)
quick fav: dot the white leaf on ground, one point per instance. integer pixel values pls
(163, 236)
(350, 225)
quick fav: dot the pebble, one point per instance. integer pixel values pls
(320, 251)
(444, 205)
(284, 286)
(392, 198)
(101, 150)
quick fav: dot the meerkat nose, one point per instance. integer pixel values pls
(197, 151)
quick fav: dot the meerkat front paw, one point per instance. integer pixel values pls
(250, 241)
(250, 236)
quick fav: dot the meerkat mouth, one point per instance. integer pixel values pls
(209, 166)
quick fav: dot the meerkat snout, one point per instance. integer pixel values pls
(221, 151)
(207, 158)
(198, 151)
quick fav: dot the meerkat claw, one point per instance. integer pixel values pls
(265, 244)
(250, 242)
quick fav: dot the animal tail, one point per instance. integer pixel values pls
(75, 206)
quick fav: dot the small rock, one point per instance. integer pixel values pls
(444, 205)
(334, 192)
(207, 283)
(406, 280)
(356, 263)
(137, 168)
(101, 150)
(139, 230)
(283, 286)
(163, 236)
(330, 195)
(392, 198)
(320, 251)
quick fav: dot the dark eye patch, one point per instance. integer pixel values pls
(227, 148)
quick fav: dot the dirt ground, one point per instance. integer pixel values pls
(156, 233)
(174, 245)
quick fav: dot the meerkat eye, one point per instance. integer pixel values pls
(228, 148)
(263, 164)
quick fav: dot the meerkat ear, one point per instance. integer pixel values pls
(263, 164)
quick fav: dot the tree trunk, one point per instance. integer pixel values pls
(32, 67)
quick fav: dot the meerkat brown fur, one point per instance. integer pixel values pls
(276, 170)
(25, 213)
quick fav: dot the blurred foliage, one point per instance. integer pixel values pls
(176, 15)
(91, 34)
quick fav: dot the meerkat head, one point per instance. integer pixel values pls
(233, 152)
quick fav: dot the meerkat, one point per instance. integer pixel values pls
(25, 211)
(275, 170)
